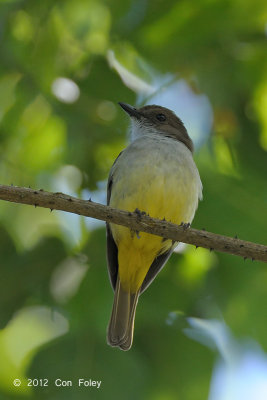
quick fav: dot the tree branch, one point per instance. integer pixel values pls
(134, 220)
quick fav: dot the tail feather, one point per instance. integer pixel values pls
(121, 325)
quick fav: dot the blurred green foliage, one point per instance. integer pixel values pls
(107, 50)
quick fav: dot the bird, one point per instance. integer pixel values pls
(155, 174)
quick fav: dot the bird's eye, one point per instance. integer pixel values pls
(161, 117)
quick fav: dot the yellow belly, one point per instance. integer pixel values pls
(159, 194)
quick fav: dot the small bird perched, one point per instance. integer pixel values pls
(155, 174)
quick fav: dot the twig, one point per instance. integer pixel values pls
(137, 221)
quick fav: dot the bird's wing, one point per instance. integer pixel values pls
(156, 267)
(112, 250)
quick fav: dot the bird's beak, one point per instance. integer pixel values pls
(131, 111)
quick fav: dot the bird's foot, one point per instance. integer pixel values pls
(139, 213)
(185, 226)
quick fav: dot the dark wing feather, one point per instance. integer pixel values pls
(155, 268)
(112, 257)
(112, 250)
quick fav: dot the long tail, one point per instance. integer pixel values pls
(121, 324)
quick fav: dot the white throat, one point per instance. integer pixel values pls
(137, 130)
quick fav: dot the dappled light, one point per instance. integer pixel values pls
(64, 67)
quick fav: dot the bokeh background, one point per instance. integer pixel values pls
(64, 65)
